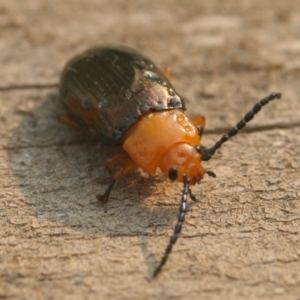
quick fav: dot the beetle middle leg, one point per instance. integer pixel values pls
(67, 119)
(118, 166)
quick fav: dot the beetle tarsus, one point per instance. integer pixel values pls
(178, 227)
(211, 173)
(192, 195)
(240, 125)
(104, 197)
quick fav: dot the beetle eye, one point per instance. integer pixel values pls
(173, 174)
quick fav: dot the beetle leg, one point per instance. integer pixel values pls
(117, 166)
(120, 165)
(199, 122)
(167, 72)
(67, 119)
(192, 195)
(104, 197)
(211, 173)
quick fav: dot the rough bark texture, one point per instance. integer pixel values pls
(240, 240)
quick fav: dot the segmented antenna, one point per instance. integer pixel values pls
(178, 227)
(206, 155)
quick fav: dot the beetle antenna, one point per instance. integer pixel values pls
(178, 227)
(207, 154)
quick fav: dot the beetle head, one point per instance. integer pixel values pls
(182, 160)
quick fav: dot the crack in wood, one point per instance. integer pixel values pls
(13, 87)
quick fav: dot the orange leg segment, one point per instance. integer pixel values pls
(199, 121)
(117, 166)
(167, 72)
(67, 119)
(120, 165)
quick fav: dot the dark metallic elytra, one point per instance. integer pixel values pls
(107, 89)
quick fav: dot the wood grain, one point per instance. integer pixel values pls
(240, 241)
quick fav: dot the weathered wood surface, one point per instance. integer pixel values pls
(240, 241)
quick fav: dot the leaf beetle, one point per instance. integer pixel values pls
(121, 98)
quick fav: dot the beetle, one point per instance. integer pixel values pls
(121, 98)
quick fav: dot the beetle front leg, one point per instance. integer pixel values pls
(117, 166)
(120, 165)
